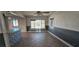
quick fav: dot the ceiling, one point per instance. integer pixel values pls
(32, 13)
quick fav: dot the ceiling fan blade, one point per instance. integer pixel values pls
(45, 12)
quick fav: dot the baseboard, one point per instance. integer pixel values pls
(61, 40)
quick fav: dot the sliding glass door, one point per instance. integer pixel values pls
(38, 24)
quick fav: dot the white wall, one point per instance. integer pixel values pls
(66, 19)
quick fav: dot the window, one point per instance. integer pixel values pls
(15, 22)
(32, 24)
(38, 24)
(42, 24)
(51, 21)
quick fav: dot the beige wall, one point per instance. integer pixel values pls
(22, 25)
(66, 19)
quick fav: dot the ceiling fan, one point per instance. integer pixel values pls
(43, 12)
(40, 13)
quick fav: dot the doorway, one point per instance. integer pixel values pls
(37, 25)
